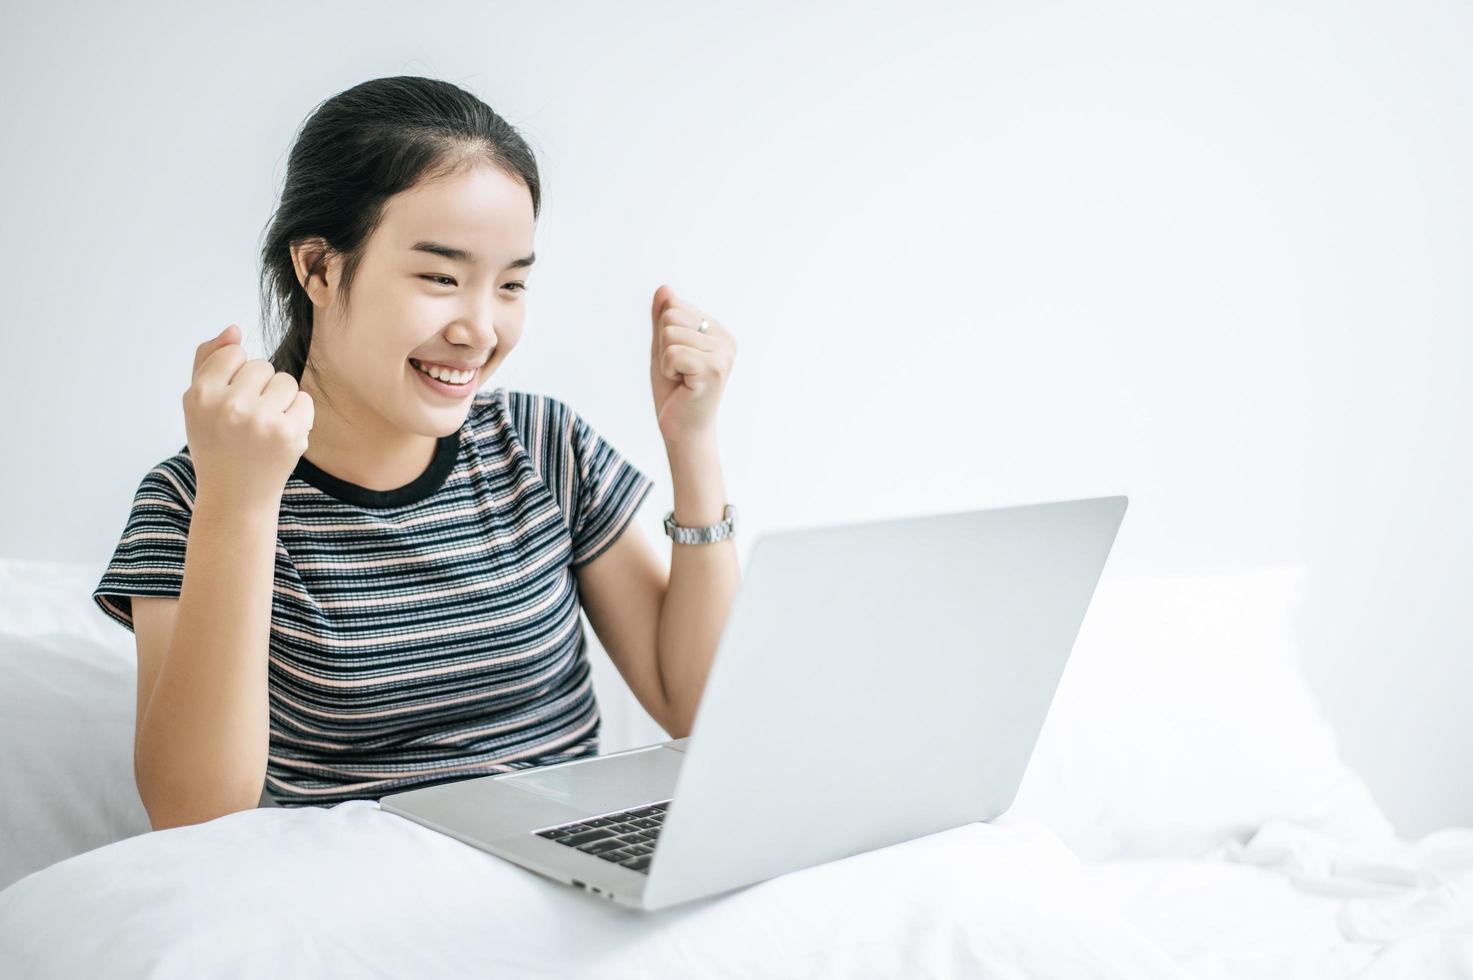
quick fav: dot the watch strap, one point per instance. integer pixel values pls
(719, 531)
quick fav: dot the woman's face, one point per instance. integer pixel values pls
(410, 304)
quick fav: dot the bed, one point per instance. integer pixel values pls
(1186, 813)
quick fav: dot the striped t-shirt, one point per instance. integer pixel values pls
(424, 634)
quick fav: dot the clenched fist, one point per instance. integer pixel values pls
(247, 423)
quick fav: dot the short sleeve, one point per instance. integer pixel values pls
(149, 557)
(609, 491)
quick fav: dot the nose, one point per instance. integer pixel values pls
(475, 330)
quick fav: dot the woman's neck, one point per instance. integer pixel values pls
(355, 443)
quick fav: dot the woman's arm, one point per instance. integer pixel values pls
(203, 721)
(704, 579)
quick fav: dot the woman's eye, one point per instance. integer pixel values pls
(448, 281)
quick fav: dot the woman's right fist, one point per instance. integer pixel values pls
(247, 423)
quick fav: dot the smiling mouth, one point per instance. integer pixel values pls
(447, 377)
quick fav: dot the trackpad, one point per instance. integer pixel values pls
(607, 783)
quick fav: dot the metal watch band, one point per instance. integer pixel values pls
(702, 535)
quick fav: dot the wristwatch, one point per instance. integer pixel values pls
(702, 535)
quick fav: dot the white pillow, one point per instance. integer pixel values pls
(38, 597)
(67, 703)
(68, 694)
(1183, 721)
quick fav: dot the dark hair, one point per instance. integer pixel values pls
(354, 152)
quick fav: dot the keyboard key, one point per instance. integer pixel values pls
(614, 857)
(596, 846)
(596, 834)
(638, 864)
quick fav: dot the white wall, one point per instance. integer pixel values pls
(1214, 257)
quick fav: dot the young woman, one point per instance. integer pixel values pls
(362, 573)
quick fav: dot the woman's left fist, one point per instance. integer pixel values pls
(688, 369)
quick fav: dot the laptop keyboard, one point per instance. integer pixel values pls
(625, 837)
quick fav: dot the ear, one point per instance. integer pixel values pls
(314, 262)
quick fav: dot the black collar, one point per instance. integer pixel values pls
(447, 449)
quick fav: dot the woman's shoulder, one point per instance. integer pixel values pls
(520, 401)
(526, 411)
(172, 478)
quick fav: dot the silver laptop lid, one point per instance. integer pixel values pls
(877, 682)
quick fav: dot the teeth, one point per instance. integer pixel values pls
(441, 374)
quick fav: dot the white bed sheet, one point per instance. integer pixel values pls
(1293, 902)
(355, 891)
(352, 890)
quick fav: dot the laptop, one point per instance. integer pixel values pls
(874, 682)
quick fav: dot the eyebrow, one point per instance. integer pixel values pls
(461, 255)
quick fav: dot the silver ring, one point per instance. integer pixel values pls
(705, 325)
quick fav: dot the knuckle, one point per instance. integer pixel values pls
(262, 425)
